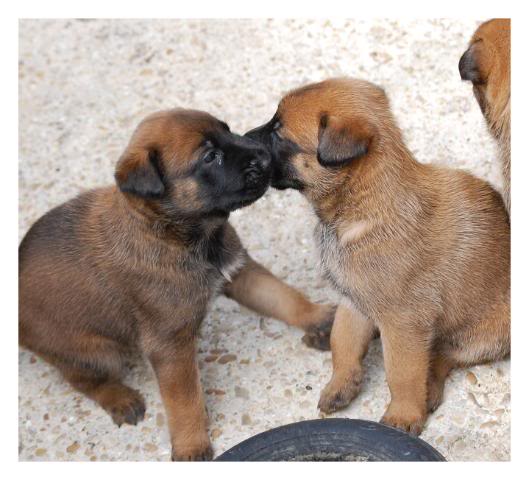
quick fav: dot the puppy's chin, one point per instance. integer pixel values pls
(242, 199)
(479, 94)
(282, 183)
(284, 176)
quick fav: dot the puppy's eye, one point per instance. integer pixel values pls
(214, 156)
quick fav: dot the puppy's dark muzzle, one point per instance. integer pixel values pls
(258, 166)
(264, 156)
(468, 67)
(257, 173)
(281, 174)
(262, 159)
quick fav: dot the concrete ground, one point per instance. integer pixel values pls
(84, 85)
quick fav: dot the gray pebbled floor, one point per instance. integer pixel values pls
(84, 85)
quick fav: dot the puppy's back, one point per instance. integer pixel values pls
(473, 202)
(58, 279)
(472, 235)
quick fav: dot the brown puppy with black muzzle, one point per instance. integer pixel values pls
(487, 64)
(419, 252)
(135, 267)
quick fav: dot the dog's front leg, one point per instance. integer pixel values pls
(406, 361)
(178, 377)
(258, 289)
(350, 338)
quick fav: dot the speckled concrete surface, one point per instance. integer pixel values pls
(84, 85)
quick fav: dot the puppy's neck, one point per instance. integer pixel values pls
(186, 230)
(378, 190)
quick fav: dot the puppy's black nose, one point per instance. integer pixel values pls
(261, 159)
(468, 68)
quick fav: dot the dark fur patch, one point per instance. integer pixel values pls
(468, 67)
(216, 253)
(281, 150)
(144, 178)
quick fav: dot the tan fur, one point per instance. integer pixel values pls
(353, 232)
(431, 271)
(489, 53)
(110, 271)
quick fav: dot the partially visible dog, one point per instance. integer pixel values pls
(487, 64)
(418, 252)
(135, 267)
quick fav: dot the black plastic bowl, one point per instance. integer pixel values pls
(333, 439)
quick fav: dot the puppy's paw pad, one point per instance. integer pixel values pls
(318, 336)
(198, 454)
(334, 397)
(317, 340)
(413, 425)
(129, 409)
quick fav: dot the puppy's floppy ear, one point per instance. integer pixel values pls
(138, 172)
(340, 141)
(473, 63)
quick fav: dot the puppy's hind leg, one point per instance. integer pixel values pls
(258, 289)
(95, 371)
(440, 367)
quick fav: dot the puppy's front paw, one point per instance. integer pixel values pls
(125, 406)
(408, 419)
(200, 452)
(317, 339)
(318, 335)
(338, 393)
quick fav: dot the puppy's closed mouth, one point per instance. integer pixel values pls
(244, 197)
(254, 180)
(252, 194)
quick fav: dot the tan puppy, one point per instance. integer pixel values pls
(419, 252)
(487, 64)
(136, 267)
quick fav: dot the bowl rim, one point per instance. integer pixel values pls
(373, 437)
